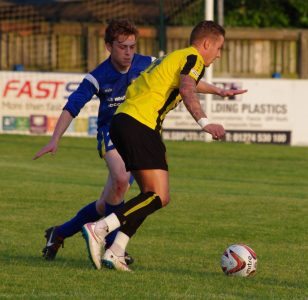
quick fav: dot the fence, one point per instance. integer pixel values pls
(255, 52)
(77, 47)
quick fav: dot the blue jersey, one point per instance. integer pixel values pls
(109, 85)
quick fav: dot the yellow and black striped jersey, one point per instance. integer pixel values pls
(156, 91)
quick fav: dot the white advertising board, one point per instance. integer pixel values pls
(31, 103)
(272, 111)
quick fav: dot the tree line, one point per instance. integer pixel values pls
(266, 13)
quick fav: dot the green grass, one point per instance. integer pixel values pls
(220, 194)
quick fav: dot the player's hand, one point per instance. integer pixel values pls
(230, 93)
(49, 148)
(216, 130)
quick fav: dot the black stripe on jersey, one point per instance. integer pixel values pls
(190, 62)
(171, 97)
(201, 74)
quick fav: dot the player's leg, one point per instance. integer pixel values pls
(148, 181)
(144, 152)
(117, 184)
(111, 198)
(132, 214)
(114, 256)
(156, 180)
(55, 235)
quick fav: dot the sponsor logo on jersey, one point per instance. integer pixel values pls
(194, 72)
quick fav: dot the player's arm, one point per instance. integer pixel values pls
(188, 91)
(75, 103)
(63, 122)
(206, 88)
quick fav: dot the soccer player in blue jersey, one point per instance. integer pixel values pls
(108, 82)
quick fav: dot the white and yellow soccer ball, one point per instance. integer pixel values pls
(239, 260)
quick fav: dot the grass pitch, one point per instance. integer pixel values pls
(221, 194)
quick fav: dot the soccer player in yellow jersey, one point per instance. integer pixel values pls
(136, 133)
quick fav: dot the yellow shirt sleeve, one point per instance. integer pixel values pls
(193, 67)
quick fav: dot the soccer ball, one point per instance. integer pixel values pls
(239, 260)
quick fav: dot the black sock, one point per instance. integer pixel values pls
(137, 209)
(130, 228)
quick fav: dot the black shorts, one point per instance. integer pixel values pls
(140, 146)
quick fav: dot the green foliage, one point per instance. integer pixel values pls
(266, 13)
(300, 12)
(220, 194)
(246, 13)
(188, 14)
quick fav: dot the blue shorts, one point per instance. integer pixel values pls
(104, 144)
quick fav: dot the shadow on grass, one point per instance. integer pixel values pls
(38, 261)
(177, 271)
(259, 279)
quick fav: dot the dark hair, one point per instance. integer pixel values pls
(119, 27)
(205, 29)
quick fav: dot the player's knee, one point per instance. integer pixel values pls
(165, 199)
(120, 184)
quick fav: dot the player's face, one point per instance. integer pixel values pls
(122, 51)
(212, 49)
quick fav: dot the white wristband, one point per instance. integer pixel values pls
(203, 122)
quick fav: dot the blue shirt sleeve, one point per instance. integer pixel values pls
(78, 99)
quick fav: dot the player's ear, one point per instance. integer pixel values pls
(108, 46)
(206, 43)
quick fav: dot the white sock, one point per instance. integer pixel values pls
(106, 225)
(120, 243)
